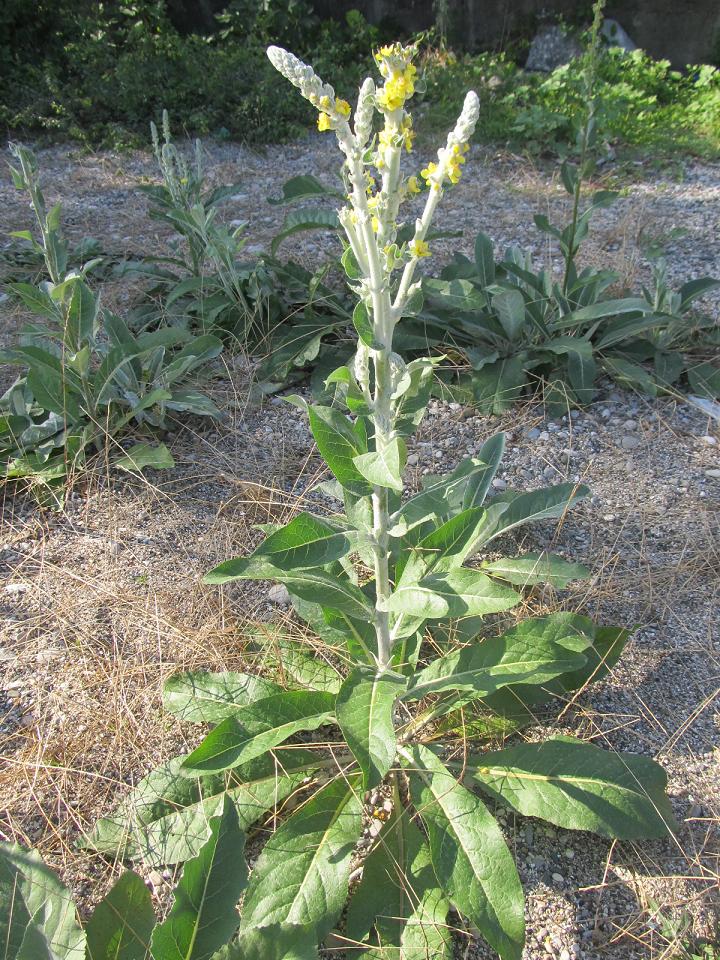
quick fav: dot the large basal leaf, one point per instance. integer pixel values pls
(579, 786)
(261, 726)
(305, 542)
(204, 915)
(400, 897)
(279, 941)
(304, 187)
(122, 923)
(302, 874)
(37, 913)
(309, 218)
(536, 568)
(142, 455)
(458, 593)
(534, 651)
(497, 386)
(469, 855)
(166, 819)
(203, 697)
(364, 710)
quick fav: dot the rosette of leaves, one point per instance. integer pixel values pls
(420, 730)
(519, 327)
(85, 376)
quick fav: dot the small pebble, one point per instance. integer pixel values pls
(499, 484)
(278, 594)
(710, 474)
(630, 443)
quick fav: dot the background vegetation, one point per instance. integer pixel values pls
(99, 72)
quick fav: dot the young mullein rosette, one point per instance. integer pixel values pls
(385, 583)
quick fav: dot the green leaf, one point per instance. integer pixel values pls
(142, 455)
(279, 941)
(458, 593)
(364, 710)
(302, 874)
(582, 368)
(203, 697)
(304, 187)
(307, 218)
(339, 443)
(536, 650)
(536, 568)
(204, 916)
(479, 482)
(704, 380)
(546, 504)
(384, 468)
(122, 923)
(439, 498)
(399, 895)
(364, 326)
(166, 819)
(485, 259)
(305, 542)
(630, 375)
(469, 854)
(311, 585)
(497, 386)
(262, 726)
(302, 664)
(509, 305)
(578, 786)
(37, 914)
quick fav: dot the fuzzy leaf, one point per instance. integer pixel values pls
(458, 593)
(578, 786)
(302, 874)
(469, 854)
(280, 941)
(122, 923)
(204, 916)
(535, 651)
(545, 504)
(37, 914)
(261, 726)
(166, 818)
(536, 568)
(399, 895)
(364, 710)
(203, 697)
(339, 443)
(142, 455)
(305, 542)
(384, 468)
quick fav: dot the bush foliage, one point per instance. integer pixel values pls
(100, 72)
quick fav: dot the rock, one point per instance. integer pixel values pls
(616, 36)
(558, 878)
(710, 474)
(552, 47)
(412, 459)
(279, 595)
(499, 484)
(15, 588)
(630, 442)
(711, 441)
(533, 433)
(631, 424)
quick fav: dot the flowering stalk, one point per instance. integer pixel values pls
(381, 270)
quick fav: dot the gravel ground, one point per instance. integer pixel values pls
(102, 602)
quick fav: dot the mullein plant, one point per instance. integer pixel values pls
(414, 692)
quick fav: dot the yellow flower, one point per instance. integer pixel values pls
(418, 248)
(413, 186)
(342, 107)
(407, 133)
(429, 170)
(325, 103)
(324, 122)
(375, 224)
